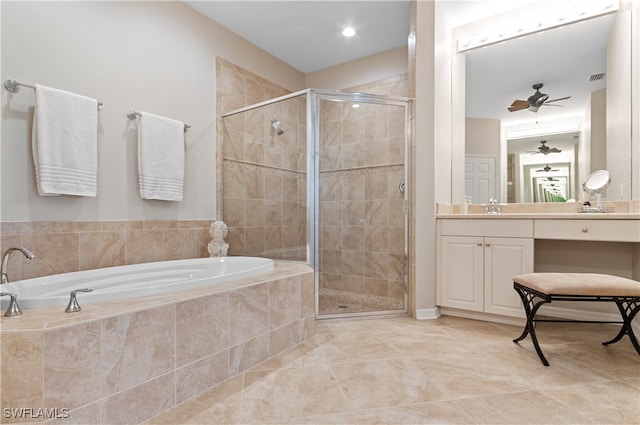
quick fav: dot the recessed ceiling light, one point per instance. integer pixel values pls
(349, 32)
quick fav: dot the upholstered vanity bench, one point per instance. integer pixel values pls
(537, 289)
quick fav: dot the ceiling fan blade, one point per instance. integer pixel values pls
(555, 150)
(555, 100)
(518, 105)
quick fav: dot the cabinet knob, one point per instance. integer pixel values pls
(487, 244)
(479, 244)
(585, 229)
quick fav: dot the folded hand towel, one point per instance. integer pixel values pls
(65, 143)
(160, 157)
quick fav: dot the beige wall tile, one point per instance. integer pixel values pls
(354, 284)
(55, 252)
(233, 142)
(248, 354)
(376, 264)
(72, 366)
(353, 263)
(284, 301)
(376, 286)
(331, 280)
(90, 414)
(75, 226)
(234, 212)
(353, 238)
(248, 313)
(254, 240)
(201, 375)
(202, 327)
(284, 337)
(331, 236)
(354, 213)
(144, 246)
(179, 244)
(116, 226)
(101, 249)
(141, 402)
(21, 370)
(376, 238)
(137, 347)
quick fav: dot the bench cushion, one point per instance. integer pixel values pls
(579, 284)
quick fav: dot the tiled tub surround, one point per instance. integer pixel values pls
(62, 247)
(124, 362)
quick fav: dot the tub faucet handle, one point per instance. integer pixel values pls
(73, 305)
(13, 309)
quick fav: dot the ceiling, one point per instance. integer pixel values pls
(307, 35)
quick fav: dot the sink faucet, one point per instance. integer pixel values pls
(5, 259)
(493, 207)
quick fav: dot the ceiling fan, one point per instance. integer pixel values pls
(544, 149)
(535, 101)
(546, 169)
(551, 179)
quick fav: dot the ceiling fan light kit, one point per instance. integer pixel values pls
(535, 101)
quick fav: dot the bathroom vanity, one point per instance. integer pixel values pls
(479, 254)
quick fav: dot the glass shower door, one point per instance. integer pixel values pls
(361, 223)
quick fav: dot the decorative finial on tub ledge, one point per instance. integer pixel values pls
(218, 247)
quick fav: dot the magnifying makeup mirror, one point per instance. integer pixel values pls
(596, 183)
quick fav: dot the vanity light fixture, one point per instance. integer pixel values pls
(349, 32)
(566, 12)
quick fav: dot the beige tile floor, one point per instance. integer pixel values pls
(450, 370)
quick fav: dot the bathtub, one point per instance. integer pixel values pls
(132, 281)
(150, 351)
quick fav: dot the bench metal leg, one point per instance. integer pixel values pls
(628, 310)
(531, 307)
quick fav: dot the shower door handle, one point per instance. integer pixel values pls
(401, 186)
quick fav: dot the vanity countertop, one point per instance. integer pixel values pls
(545, 216)
(618, 210)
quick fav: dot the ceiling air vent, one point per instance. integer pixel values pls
(596, 77)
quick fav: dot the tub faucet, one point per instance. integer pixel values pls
(13, 309)
(5, 259)
(73, 305)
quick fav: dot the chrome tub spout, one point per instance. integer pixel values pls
(5, 259)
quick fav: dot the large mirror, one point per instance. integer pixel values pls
(542, 152)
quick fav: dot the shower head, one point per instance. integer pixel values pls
(277, 127)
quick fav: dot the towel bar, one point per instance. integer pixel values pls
(132, 115)
(13, 86)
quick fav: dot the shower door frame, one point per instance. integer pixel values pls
(313, 161)
(314, 97)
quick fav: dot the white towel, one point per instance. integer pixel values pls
(65, 143)
(160, 157)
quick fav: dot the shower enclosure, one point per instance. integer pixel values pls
(319, 176)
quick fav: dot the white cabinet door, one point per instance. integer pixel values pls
(505, 258)
(462, 272)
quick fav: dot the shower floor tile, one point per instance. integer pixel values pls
(333, 301)
(449, 370)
